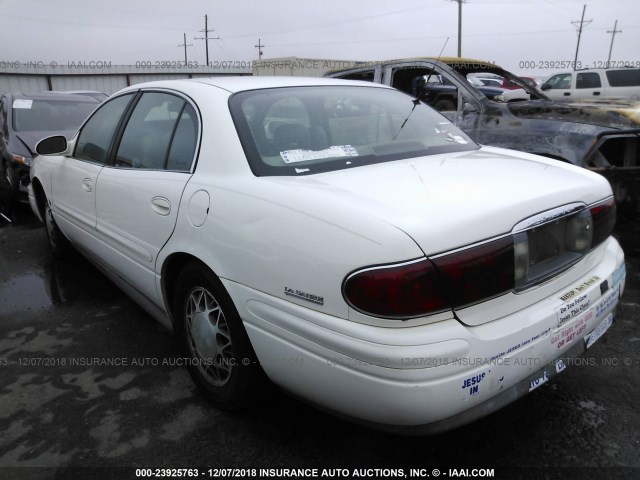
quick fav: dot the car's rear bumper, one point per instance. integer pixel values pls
(499, 400)
(431, 377)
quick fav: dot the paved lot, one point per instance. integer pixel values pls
(62, 405)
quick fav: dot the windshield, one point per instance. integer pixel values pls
(306, 130)
(49, 115)
(483, 71)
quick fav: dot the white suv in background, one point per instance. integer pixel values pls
(596, 83)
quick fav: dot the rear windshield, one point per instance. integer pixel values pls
(306, 130)
(624, 78)
(50, 115)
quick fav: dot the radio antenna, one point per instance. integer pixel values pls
(438, 59)
(417, 100)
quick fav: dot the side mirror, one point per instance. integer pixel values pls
(468, 108)
(545, 86)
(54, 145)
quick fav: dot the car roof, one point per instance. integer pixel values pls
(446, 60)
(235, 84)
(79, 92)
(52, 96)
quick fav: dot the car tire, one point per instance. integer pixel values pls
(59, 244)
(221, 359)
(444, 105)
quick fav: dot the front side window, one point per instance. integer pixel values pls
(561, 81)
(427, 84)
(305, 130)
(97, 134)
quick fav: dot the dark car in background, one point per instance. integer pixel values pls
(27, 118)
(442, 95)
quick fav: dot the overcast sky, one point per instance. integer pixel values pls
(507, 32)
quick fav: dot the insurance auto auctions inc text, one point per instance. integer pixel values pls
(373, 472)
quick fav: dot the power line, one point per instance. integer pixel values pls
(185, 45)
(575, 24)
(206, 37)
(613, 35)
(259, 46)
(460, 2)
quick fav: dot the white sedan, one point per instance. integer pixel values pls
(339, 238)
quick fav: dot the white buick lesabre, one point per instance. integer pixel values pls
(341, 238)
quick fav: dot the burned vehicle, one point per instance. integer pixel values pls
(601, 135)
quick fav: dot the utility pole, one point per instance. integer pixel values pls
(185, 47)
(259, 46)
(613, 35)
(575, 24)
(206, 37)
(460, 2)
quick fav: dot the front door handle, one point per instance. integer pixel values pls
(161, 205)
(566, 94)
(87, 185)
(596, 93)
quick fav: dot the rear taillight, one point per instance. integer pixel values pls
(405, 290)
(604, 221)
(543, 251)
(417, 288)
(478, 273)
(579, 232)
(530, 255)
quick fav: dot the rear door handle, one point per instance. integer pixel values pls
(161, 205)
(596, 93)
(566, 94)
(87, 185)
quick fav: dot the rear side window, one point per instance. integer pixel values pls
(588, 80)
(97, 134)
(624, 78)
(161, 134)
(184, 142)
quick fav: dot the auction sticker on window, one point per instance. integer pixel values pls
(295, 156)
(22, 103)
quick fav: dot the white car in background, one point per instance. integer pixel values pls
(341, 238)
(490, 82)
(507, 95)
(615, 83)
